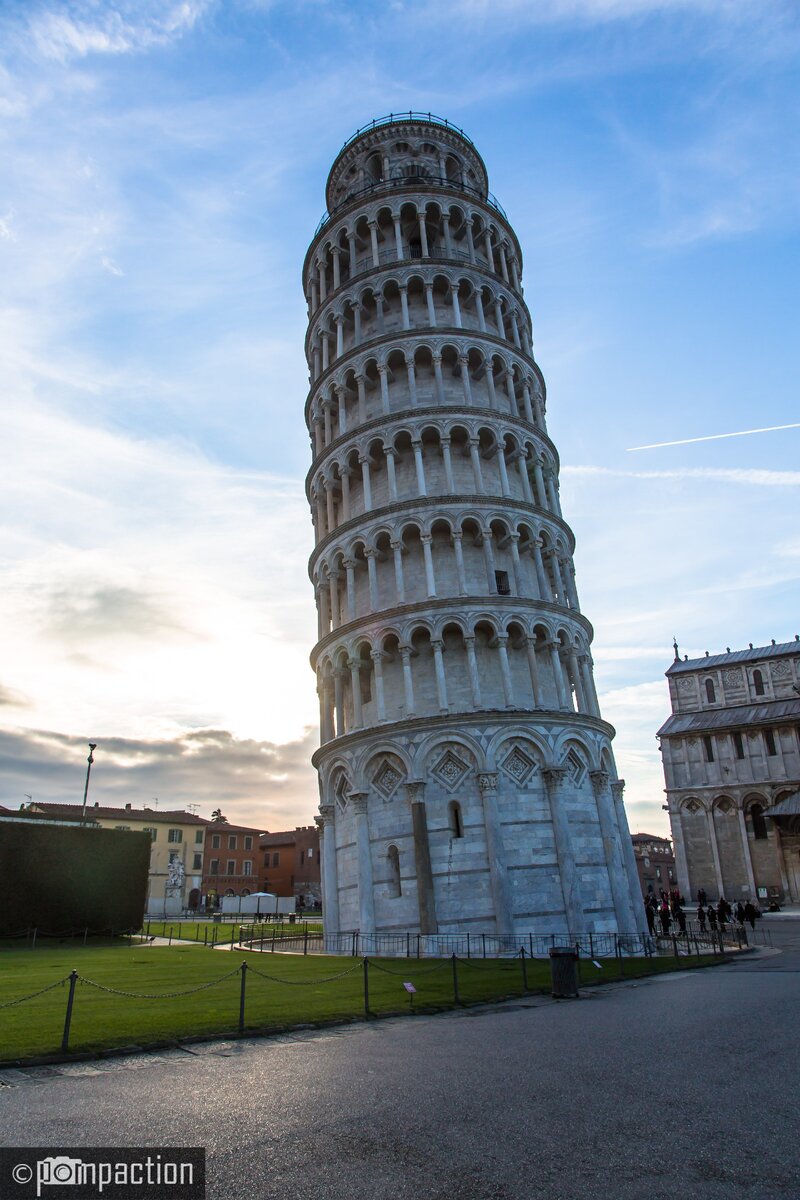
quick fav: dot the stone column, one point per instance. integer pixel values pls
(479, 311)
(456, 308)
(330, 882)
(430, 305)
(476, 465)
(447, 242)
(412, 380)
(441, 681)
(617, 788)
(398, 238)
(501, 464)
(516, 566)
(545, 591)
(426, 897)
(474, 675)
(408, 682)
(364, 460)
(437, 372)
(554, 778)
(490, 386)
(416, 446)
(498, 869)
(712, 834)
(384, 389)
(526, 401)
(372, 575)
(581, 702)
(681, 862)
(328, 733)
(338, 691)
(448, 466)
(380, 696)
(351, 243)
(362, 399)
(505, 670)
(530, 646)
(748, 862)
(391, 454)
(430, 580)
(465, 381)
(350, 568)
(355, 687)
(617, 875)
(403, 289)
(423, 235)
(344, 475)
(558, 675)
(366, 891)
(460, 572)
(373, 234)
(399, 582)
(333, 587)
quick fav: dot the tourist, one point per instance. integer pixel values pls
(740, 913)
(681, 915)
(712, 917)
(701, 896)
(665, 918)
(750, 914)
(701, 918)
(651, 917)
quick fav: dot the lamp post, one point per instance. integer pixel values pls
(90, 760)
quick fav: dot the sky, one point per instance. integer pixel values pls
(162, 170)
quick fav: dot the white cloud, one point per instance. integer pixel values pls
(752, 476)
(82, 28)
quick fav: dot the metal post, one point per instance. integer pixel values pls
(524, 969)
(591, 947)
(232, 933)
(417, 945)
(455, 981)
(468, 949)
(205, 936)
(90, 760)
(170, 935)
(33, 940)
(483, 939)
(366, 986)
(530, 944)
(241, 997)
(85, 934)
(408, 945)
(618, 953)
(305, 940)
(73, 979)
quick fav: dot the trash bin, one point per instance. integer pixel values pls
(564, 971)
(216, 917)
(292, 918)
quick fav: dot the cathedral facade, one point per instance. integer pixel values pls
(466, 774)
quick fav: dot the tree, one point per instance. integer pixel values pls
(218, 815)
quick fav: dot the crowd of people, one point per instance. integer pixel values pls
(667, 913)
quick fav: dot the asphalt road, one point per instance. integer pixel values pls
(679, 1087)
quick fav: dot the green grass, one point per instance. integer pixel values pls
(196, 931)
(102, 1020)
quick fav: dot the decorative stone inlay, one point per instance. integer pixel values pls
(732, 678)
(576, 769)
(386, 780)
(686, 685)
(518, 765)
(450, 770)
(341, 793)
(781, 670)
(692, 806)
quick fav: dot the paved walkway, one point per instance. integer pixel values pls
(679, 1086)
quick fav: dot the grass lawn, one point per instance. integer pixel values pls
(102, 1020)
(197, 931)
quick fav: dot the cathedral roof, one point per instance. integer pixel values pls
(735, 717)
(754, 654)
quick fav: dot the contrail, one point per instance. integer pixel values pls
(713, 437)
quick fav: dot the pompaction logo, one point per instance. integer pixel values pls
(121, 1173)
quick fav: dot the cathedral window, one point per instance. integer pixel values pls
(711, 694)
(709, 749)
(738, 745)
(758, 683)
(769, 742)
(759, 824)
(393, 859)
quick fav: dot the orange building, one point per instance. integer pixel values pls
(232, 862)
(290, 865)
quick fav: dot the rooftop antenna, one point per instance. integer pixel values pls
(192, 808)
(155, 801)
(28, 796)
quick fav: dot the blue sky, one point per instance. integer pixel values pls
(163, 172)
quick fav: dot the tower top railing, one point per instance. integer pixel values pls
(426, 118)
(407, 181)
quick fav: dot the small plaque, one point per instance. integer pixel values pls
(410, 988)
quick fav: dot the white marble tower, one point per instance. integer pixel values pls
(466, 776)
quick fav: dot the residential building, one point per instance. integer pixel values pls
(655, 863)
(731, 755)
(291, 864)
(232, 864)
(176, 855)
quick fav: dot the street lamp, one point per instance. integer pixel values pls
(90, 760)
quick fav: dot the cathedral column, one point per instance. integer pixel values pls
(403, 289)
(545, 591)
(476, 465)
(448, 466)
(558, 675)
(412, 380)
(577, 682)
(416, 446)
(423, 235)
(505, 670)
(373, 236)
(362, 399)
(350, 569)
(333, 586)
(430, 305)
(366, 893)
(712, 834)
(430, 581)
(382, 370)
(748, 862)
(479, 311)
(554, 779)
(426, 898)
(681, 862)
(364, 460)
(398, 238)
(530, 646)
(455, 304)
(498, 869)
(501, 463)
(437, 373)
(338, 686)
(617, 876)
(465, 383)
(330, 882)
(526, 400)
(372, 576)
(516, 566)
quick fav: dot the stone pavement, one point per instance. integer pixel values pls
(679, 1086)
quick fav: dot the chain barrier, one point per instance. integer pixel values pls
(492, 965)
(410, 970)
(302, 982)
(33, 995)
(101, 987)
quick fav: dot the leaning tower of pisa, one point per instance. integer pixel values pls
(466, 775)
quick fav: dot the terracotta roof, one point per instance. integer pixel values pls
(93, 811)
(278, 839)
(224, 827)
(648, 837)
(736, 656)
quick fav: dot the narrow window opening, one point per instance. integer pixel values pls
(758, 683)
(711, 694)
(393, 860)
(759, 823)
(738, 745)
(501, 580)
(769, 742)
(709, 748)
(456, 821)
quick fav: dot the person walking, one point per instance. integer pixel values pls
(740, 913)
(681, 915)
(750, 914)
(701, 896)
(712, 917)
(701, 918)
(651, 917)
(665, 918)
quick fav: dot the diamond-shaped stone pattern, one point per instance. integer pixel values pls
(387, 780)
(518, 765)
(450, 769)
